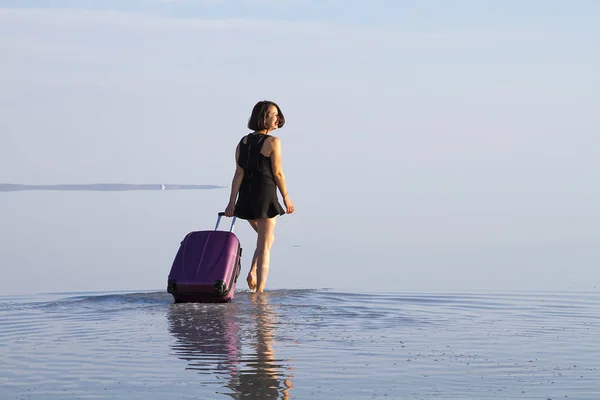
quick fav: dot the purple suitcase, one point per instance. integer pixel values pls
(206, 266)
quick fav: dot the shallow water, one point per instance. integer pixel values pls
(304, 344)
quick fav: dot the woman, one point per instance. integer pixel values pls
(257, 177)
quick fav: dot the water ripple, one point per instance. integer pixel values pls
(302, 344)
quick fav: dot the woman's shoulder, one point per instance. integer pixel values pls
(273, 139)
(272, 142)
(244, 138)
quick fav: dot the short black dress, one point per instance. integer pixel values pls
(257, 197)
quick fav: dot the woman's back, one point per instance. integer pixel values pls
(255, 158)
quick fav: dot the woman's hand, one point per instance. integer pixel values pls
(229, 210)
(288, 204)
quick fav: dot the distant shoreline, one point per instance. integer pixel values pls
(15, 187)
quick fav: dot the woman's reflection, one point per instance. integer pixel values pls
(263, 376)
(235, 339)
(207, 336)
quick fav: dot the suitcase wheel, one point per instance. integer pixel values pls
(171, 287)
(220, 287)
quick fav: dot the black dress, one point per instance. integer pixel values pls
(257, 197)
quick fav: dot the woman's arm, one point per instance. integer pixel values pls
(238, 176)
(276, 166)
(278, 174)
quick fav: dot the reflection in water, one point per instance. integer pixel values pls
(261, 378)
(15, 187)
(209, 338)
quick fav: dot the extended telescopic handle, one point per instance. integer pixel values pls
(222, 214)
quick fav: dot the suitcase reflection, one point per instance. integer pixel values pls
(234, 342)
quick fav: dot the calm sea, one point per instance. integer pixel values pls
(302, 344)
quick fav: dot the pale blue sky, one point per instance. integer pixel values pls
(429, 146)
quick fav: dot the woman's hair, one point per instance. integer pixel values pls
(259, 114)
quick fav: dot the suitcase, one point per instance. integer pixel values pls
(206, 266)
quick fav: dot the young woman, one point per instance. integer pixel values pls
(257, 177)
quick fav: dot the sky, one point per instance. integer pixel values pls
(429, 146)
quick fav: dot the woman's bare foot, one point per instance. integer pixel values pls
(251, 279)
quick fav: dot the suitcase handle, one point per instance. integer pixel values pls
(222, 214)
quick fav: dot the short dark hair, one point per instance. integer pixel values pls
(259, 113)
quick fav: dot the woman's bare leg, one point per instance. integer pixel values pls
(251, 278)
(266, 236)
